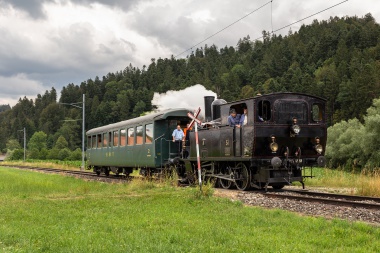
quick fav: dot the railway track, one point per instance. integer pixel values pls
(328, 198)
(84, 174)
(300, 195)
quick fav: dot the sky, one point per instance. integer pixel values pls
(52, 43)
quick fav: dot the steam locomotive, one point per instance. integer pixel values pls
(284, 133)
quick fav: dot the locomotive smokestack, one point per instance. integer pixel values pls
(208, 102)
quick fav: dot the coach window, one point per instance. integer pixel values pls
(89, 142)
(99, 141)
(105, 140)
(139, 135)
(263, 111)
(131, 136)
(317, 112)
(148, 133)
(116, 138)
(122, 137)
(94, 142)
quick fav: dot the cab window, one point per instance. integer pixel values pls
(263, 111)
(317, 112)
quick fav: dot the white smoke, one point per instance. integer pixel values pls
(190, 98)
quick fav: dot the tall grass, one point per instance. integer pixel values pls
(366, 182)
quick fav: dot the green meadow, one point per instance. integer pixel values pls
(53, 213)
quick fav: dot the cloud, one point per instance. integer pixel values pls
(11, 87)
(36, 10)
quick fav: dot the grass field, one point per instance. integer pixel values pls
(53, 213)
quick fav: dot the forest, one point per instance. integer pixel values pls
(337, 59)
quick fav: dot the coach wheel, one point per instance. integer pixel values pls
(278, 187)
(106, 172)
(224, 183)
(243, 177)
(98, 171)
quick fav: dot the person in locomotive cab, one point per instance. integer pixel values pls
(244, 118)
(178, 137)
(234, 119)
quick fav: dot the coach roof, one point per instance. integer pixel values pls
(139, 120)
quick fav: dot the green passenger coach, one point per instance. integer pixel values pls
(143, 142)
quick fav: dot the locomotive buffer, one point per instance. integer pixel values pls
(195, 119)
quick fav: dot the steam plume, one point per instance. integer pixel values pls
(190, 98)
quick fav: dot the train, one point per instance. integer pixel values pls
(282, 139)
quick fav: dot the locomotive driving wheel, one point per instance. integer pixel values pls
(224, 183)
(243, 177)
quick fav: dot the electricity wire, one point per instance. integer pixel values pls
(224, 28)
(303, 19)
(270, 2)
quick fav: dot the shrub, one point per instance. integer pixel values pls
(63, 154)
(53, 154)
(17, 154)
(75, 155)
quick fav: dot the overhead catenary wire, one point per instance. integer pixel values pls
(303, 19)
(273, 31)
(262, 6)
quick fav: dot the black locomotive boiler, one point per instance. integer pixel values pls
(284, 133)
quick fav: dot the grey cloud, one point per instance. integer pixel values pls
(35, 7)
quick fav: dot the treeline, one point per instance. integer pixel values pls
(355, 145)
(338, 59)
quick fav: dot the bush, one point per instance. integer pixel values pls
(64, 154)
(17, 154)
(44, 152)
(75, 155)
(53, 154)
(34, 154)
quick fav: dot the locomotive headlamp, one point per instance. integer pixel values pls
(295, 128)
(273, 146)
(318, 147)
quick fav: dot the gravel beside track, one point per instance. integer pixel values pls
(328, 211)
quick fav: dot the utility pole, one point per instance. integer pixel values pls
(83, 131)
(24, 144)
(83, 125)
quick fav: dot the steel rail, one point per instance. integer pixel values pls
(333, 195)
(330, 201)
